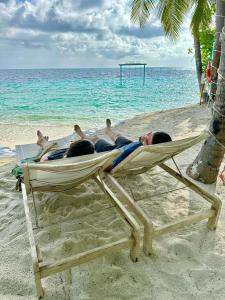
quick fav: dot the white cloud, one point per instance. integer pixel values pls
(83, 33)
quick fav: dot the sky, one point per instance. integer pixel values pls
(84, 33)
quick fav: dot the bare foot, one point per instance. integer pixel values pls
(111, 133)
(79, 131)
(42, 141)
(108, 123)
(108, 126)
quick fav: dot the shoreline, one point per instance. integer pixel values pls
(12, 134)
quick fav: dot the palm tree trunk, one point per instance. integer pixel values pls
(220, 10)
(205, 168)
(198, 59)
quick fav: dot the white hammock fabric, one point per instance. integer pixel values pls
(150, 156)
(62, 174)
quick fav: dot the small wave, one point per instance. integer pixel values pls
(92, 131)
(7, 152)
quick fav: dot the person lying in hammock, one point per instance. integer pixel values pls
(89, 145)
(76, 148)
(120, 142)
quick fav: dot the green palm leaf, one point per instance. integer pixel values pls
(172, 14)
(141, 10)
(202, 12)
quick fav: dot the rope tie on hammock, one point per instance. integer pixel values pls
(216, 110)
(125, 180)
(35, 209)
(212, 66)
(220, 75)
(222, 175)
(176, 166)
(218, 142)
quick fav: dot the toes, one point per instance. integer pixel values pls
(39, 134)
(108, 123)
(76, 127)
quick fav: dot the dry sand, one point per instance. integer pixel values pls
(188, 264)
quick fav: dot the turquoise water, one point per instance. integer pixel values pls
(88, 96)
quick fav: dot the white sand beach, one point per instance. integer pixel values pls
(188, 264)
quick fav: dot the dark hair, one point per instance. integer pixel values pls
(81, 147)
(161, 137)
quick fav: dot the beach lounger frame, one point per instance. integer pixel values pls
(31, 184)
(156, 155)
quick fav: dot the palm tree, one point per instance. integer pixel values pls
(220, 8)
(171, 14)
(202, 15)
(206, 166)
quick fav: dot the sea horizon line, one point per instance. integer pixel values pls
(81, 68)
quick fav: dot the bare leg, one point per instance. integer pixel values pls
(113, 135)
(83, 136)
(42, 141)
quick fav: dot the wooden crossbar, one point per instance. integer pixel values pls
(70, 262)
(173, 226)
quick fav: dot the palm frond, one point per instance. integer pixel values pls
(202, 15)
(171, 14)
(141, 10)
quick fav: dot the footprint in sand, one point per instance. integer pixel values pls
(66, 211)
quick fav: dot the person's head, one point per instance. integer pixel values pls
(155, 138)
(161, 137)
(81, 147)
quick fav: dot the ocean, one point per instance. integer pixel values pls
(89, 96)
